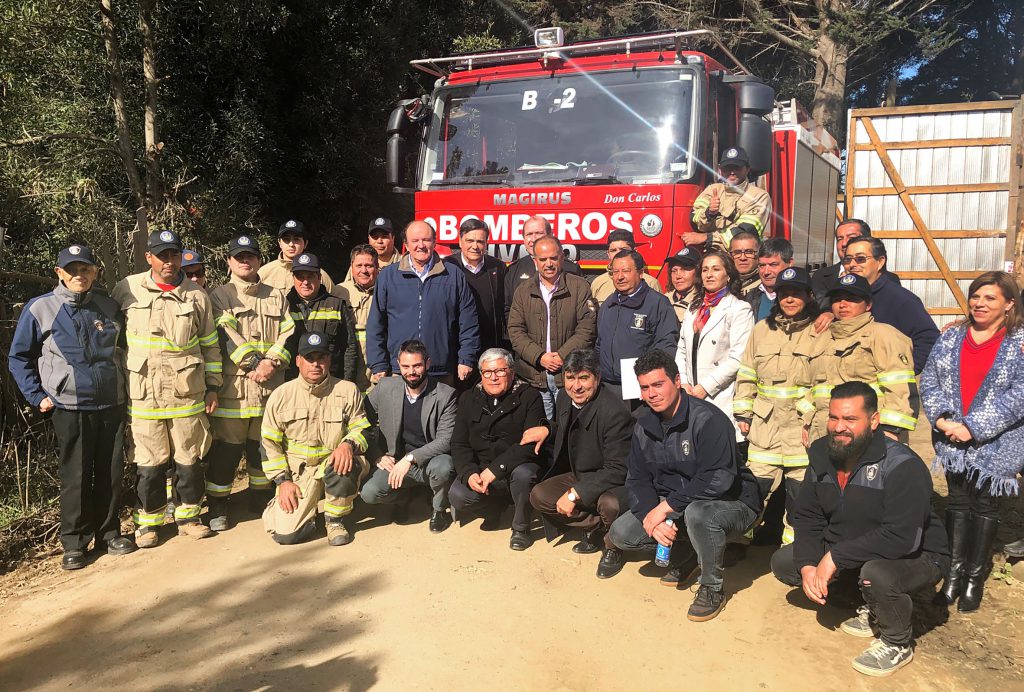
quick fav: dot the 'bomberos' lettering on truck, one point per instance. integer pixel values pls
(599, 136)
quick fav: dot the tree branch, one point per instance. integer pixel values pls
(755, 10)
(54, 136)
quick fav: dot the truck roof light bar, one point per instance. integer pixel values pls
(443, 67)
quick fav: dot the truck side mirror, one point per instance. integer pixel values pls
(755, 100)
(407, 113)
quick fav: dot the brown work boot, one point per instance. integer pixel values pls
(194, 529)
(338, 533)
(147, 538)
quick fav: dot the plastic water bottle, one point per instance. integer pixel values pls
(661, 556)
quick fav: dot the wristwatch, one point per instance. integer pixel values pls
(410, 458)
(572, 495)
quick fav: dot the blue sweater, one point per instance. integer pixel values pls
(440, 311)
(896, 306)
(628, 327)
(66, 347)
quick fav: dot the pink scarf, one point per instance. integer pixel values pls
(710, 301)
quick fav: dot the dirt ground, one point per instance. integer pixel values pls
(402, 608)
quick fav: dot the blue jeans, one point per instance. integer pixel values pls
(548, 397)
(709, 524)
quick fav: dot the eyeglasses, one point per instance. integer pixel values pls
(743, 253)
(193, 275)
(858, 259)
(494, 374)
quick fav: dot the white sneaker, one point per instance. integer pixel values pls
(881, 659)
(860, 624)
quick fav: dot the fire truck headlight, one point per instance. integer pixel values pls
(651, 225)
(550, 37)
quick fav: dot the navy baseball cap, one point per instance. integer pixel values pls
(797, 277)
(381, 224)
(163, 240)
(305, 262)
(313, 342)
(243, 243)
(191, 258)
(734, 156)
(854, 284)
(75, 253)
(687, 257)
(292, 226)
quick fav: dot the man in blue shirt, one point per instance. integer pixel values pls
(64, 358)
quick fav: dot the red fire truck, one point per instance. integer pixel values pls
(601, 135)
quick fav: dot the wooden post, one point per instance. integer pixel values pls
(915, 215)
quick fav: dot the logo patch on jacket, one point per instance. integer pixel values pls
(871, 471)
(686, 448)
(639, 321)
(903, 359)
(99, 325)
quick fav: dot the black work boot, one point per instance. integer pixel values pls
(957, 525)
(217, 513)
(978, 562)
(593, 542)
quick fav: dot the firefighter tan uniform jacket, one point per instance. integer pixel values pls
(681, 301)
(774, 376)
(360, 299)
(862, 350)
(253, 319)
(745, 204)
(302, 424)
(278, 274)
(173, 360)
(381, 263)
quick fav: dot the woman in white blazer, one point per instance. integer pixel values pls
(714, 333)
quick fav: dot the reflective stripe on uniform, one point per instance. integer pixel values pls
(753, 219)
(742, 405)
(158, 343)
(227, 320)
(317, 315)
(896, 377)
(244, 412)
(143, 518)
(165, 413)
(186, 511)
(256, 481)
(354, 432)
(280, 353)
(772, 459)
(208, 340)
(781, 392)
(308, 450)
(240, 353)
(334, 510)
(215, 490)
(272, 434)
(274, 464)
(788, 535)
(804, 406)
(361, 336)
(746, 373)
(213, 366)
(821, 391)
(890, 417)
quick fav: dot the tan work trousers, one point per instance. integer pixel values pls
(338, 490)
(181, 441)
(793, 475)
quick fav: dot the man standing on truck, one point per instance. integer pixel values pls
(728, 206)
(535, 228)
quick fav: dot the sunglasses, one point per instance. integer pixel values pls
(856, 259)
(199, 274)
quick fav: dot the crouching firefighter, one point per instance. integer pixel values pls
(254, 326)
(314, 441)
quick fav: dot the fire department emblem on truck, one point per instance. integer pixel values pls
(650, 225)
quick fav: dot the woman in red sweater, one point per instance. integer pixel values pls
(972, 391)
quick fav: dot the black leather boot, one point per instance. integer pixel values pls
(957, 526)
(978, 562)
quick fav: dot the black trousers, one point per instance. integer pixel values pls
(886, 585)
(966, 496)
(517, 485)
(91, 451)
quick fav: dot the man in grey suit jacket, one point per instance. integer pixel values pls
(415, 415)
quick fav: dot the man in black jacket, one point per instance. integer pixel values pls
(486, 278)
(683, 465)
(865, 512)
(585, 486)
(315, 310)
(499, 428)
(826, 276)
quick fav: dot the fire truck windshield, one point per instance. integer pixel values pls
(630, 126)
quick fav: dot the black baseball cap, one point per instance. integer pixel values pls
(292, 226)
(243, 243)
(313, 342)
(163, 240)
(687, 257)
(75, 253)
(191, 258)
(854, 284)
(305, 262)
(733, 156)
(797, 277)
(381, 224)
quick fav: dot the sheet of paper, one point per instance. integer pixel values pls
(630, 385)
